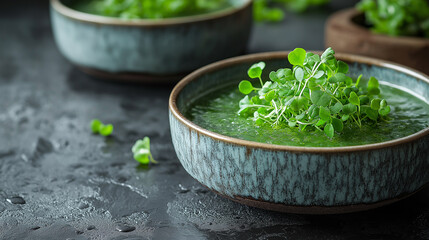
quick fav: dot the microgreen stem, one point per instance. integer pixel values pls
(312, 75)
(262, 83)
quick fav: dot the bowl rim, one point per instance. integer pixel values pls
(342, 19)
(64, 10)
(274, 147)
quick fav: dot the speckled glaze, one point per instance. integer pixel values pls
(151, 47)
(298, 179)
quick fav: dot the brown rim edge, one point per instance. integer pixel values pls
(91, 18)
(283, 55)
(314, 210)
(350, 13)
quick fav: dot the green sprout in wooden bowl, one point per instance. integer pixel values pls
(397, 18)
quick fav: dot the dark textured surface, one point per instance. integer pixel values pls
(72, 180)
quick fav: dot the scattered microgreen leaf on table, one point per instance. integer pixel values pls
(97, 127)
(314, 94)
(141, 151)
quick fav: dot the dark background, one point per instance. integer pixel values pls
(80, 186)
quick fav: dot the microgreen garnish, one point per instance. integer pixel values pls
(315, 93)
(152, 9)
(265, 11)
(397, 18)
(98, 127)
(141, 151)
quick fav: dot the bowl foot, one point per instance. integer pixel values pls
(313, 210)
(131, 77)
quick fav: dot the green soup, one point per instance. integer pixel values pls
(150, 9)
(217, 112)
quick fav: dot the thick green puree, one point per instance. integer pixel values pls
(150, 9)
(217, 112)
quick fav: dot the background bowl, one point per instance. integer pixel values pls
(345, 32)
(149, 50)
(299, 179)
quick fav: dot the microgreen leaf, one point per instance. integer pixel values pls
(324, 113)
(327, 55)
(273, 76)
(255, 71)
(320, 98)
(95, 125)
(270, 95)
(373, 86)
(363, 99)
(302, 102)
(336, 108)
(245, 105)
(337, 124)
(349, 109)
(358, 80)
(245, 87)
(383, 103)
(375, 103)
(384, 110)
(339, 77)
(299, 74)
(106, 130)
(343, 67)
(141, 151)
(297, 57)
(371, 113)
(292, 123)
(354, 99)
(98, 127)
(329, 130)
(319, 74)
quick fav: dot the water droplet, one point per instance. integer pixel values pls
(24, 158)
(43, 146)
(125, 228)
(16, 200)
(83, 205)
(183, 189)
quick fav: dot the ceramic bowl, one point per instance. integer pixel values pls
(308, 180)
(149, 50)
(345, 32)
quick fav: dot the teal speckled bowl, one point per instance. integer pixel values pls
(306, 180)
(149, 50)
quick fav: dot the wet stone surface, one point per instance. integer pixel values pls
(72, 181)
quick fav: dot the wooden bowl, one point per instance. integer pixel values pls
(345, 32)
